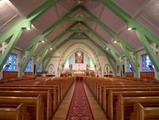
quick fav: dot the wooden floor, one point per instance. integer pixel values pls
(62, 110)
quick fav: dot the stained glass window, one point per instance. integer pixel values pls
(29, 66)
(147, 65)
(11, 63)
(129, 67)
(38, 68)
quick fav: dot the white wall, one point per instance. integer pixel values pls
(19, 58)
(57, 56)
(140, 52)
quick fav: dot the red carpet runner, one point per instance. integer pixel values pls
(79, 107)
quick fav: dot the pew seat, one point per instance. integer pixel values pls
(34, 105)
(124, 105)
(112, 98)
(17, 112)
(144, 113)
(47, 99)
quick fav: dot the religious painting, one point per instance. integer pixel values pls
(79, 57)
(51, 69)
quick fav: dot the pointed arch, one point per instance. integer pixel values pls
(85, 49)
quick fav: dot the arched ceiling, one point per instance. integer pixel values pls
(104, 21)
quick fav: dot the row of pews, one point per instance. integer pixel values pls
(35, 99)
(123, 99)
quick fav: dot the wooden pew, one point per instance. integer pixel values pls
(34, 105)
(52, 91)
(47, 99)
(105, 92)
(112, 98)
(17, 112)
(124, 105)
(57, 90)
(101, 86)
(145, 113)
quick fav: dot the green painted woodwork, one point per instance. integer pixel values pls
(78, 30)
(36, 40)
(40, 10)
(13, 35)
(16, 30)
(84, 19)
(154, 58)
(29, 54)
(109, 56)
(52, 43)
(10, 46)
(129, 20)
(144, 35)
(93, 32)
(27, 22)
(23, 23)
(113, 50)
(125, 45)
(51, 28)
(48, 56)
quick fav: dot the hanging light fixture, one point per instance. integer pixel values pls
(43, 41)
(115, 41)
(130, 28)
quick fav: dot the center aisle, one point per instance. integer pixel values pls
(79, 104)
(79, 108)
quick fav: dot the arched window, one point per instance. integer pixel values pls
(11, 63)
(38, 68)
(129, 67)
(29, 66)
(147, 65)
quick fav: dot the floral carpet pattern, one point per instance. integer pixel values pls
(79, 108)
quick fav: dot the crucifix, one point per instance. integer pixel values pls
(3, 47)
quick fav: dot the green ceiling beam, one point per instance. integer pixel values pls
(154, 58)
(129, 20)
(10, 45)
(40, 10)
(52, 43)
(46, 62)
(125, 45)
(10, 38)
(16, 30)
(114, 51)
(23, 63)
(34, 15)
(23, 23)
(107, 29)
(50, 29)
(84, 19)
(109, 56)
(78, 30)
(48, 57)
(144, 35)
